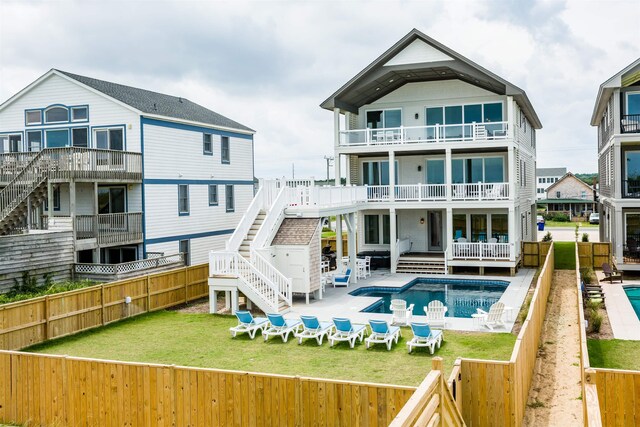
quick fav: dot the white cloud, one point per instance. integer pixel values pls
(269, 64)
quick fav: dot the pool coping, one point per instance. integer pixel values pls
(625, 324)
(338, 302)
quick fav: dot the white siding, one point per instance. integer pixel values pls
(85, 198)
(177, 153)
(134, 198)
(58, 90)
(199, 247)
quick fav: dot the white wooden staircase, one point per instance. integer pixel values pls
(421, 264)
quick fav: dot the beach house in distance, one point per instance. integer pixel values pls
(440, 156)
(133, 173)
(617, 115)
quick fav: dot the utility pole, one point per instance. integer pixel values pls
(329, 159)
(293, 171)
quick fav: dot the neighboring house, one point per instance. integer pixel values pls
(545, 177)
(617, 115)
(569, 195)
(137, 173)
(440, 158)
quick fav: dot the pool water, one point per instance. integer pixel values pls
(461, 296)
(633, 293)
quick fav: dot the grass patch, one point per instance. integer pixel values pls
(565, 255)
(203, 340)
(536, 404)
(569, 224)
(614, 354)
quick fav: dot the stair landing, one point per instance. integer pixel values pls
(422, 263)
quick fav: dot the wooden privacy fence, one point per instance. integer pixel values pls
(32, 321)
(39, 389)
(431, 404)
(593, 254)
(534, 253)
(494, 393)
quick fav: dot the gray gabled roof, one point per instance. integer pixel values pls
(551, 171)
(605, 90)
(158, 104)
(378, 79)
(296, 231)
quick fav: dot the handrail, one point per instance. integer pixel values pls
(274, 217)
(482, 250)
(127, 267)
(243, 227)
(110, 228)
(280, 281)
(22, 185)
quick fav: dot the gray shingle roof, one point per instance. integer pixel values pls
(296, 231)
(551, 171)
(157, 103)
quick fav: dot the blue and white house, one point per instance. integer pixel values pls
(440, 157)
(134, 173)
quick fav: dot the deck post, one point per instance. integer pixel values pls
(393, 240)
(339, 242)
(392, 177)
(351, 244)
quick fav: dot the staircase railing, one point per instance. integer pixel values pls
(22, 185)
(232, 263)
(274, 217)
(249, 217)
(280, 281)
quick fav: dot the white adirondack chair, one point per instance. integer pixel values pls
(400, 313)
(435, 313)
(492, 318)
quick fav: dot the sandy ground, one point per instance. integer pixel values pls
(555, 391)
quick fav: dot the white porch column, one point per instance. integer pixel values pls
(213, 301)
(336, 126)
(512, 232)
(351, 243)
(449, 236)
(619, 243)
(511, 168)
(617, 167)
(337, 167)
(49, 200)
(234, 301)
(72, 209)
(339, 242)
(347, 166)
(617, 114)
(393, 239)
(29, 213)
(392, 176)
(510, 119)
(448, 173)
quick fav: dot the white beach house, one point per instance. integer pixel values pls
(134, 173)
(439, 155)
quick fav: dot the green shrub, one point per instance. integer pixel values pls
(547, 237)
(595, 321)
(326, 229)
(587, 275)
(50, 289)
(593, 306)
(585, 237)
(560, 217)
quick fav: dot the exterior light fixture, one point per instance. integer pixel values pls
(419, 168)
(416, 116)
(421, 221)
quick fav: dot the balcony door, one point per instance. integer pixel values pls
(434, 231)
(112, 200)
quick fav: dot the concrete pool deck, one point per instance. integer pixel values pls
(337, 302)
(623, 319)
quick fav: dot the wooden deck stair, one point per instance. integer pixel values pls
(245, 246)
(421, 264)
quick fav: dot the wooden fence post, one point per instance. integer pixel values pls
(148, 293)
(102, 303)
(47, 309)
(186, 285)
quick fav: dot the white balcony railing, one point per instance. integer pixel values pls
(420, 192)
(482, 251)
(435, 192)
(470, 132)
(480, 191)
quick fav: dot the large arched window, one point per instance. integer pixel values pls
(56, 115)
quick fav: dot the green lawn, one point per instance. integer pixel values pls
(571, 225)
(614, 354)
(203, 340)
(565, 255)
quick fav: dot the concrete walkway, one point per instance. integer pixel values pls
(555, 390)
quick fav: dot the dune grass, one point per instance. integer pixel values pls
(614, 354)
(203, 340)
(565, 255)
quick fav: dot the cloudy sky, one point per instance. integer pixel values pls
(269, 64)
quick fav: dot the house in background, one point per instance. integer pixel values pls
(439, 154)
(569, 195)
(133, 173)
(545, 177)
(617, 115)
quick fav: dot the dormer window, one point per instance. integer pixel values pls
(79, 114)
(33, 117)
(56, 115)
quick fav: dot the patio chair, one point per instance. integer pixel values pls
(400, 313)
(312, 328)
(610, 274)
(346, 331)
(489, 250)
(249, 324)
(492, 318)
(424, 336)
(435, 313)
(342, 279)
(382, 333)
(281, 327)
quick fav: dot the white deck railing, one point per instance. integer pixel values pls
(420, 192)
(470, 132)
(327, 196)
(129, 267)
(480, 191)
(482, 251)
(247, 220)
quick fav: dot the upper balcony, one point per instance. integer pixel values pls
(470, 132)
(630, 123)
(76, 163)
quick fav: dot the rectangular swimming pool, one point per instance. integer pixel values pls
(461, 296)
(633, 293)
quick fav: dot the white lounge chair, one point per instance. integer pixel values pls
(312, 328)
(281, 327)
(382, 333)
(435, 313)
(424, 336)
(249, 324)
(400, 313)
(346, 331)
(490, 319)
